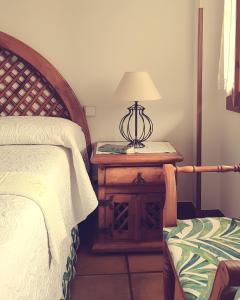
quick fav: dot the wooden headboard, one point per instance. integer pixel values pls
(31, 86)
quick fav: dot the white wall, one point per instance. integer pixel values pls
(221, 143)
(92, 43)
(230, 183)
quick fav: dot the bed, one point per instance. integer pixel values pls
(45, 190)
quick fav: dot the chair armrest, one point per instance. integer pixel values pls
(227, 277)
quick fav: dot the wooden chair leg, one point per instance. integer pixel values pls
(168, 277)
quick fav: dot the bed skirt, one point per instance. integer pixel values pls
(70, 272)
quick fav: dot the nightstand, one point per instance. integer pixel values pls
(131, 194)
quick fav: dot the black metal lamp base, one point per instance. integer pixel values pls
(137, 139)
(136, 144)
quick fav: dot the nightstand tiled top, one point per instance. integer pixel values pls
(144, 158)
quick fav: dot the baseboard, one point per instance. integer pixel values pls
(209, 213)
(187, 210)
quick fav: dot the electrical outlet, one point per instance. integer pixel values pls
(90, 111)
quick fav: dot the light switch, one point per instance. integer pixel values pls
(90, 111)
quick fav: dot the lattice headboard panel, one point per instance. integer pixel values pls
(24, 91)
(31, 86)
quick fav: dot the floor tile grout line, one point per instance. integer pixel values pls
(100, 274)
(120, 273)
(129, 278)
(146, 272)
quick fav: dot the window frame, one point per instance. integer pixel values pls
(233, 100)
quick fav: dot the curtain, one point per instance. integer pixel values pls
(227, 56)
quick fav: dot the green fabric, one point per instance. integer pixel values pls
(69, 274)
(237, 296)
(197, 246)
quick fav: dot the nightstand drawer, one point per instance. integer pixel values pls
(134, 176)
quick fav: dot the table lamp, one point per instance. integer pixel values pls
(136, 86)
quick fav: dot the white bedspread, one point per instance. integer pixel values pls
(43, 189)
(24, 252)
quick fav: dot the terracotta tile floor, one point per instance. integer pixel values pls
(117, 277)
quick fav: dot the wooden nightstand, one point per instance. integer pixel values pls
(131, 193)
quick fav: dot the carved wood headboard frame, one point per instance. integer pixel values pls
(30, 85)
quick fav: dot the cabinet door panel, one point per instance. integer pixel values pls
(152, 216)
(120, 216)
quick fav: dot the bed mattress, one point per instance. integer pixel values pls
(26, 270)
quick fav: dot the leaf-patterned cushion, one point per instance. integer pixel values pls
(197, 246)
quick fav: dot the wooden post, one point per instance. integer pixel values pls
(199, 107)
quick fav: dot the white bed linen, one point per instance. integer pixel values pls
(33, 185)
(24, 252)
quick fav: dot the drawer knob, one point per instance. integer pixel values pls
(139, 180)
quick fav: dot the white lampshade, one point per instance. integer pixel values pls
(136, 86)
